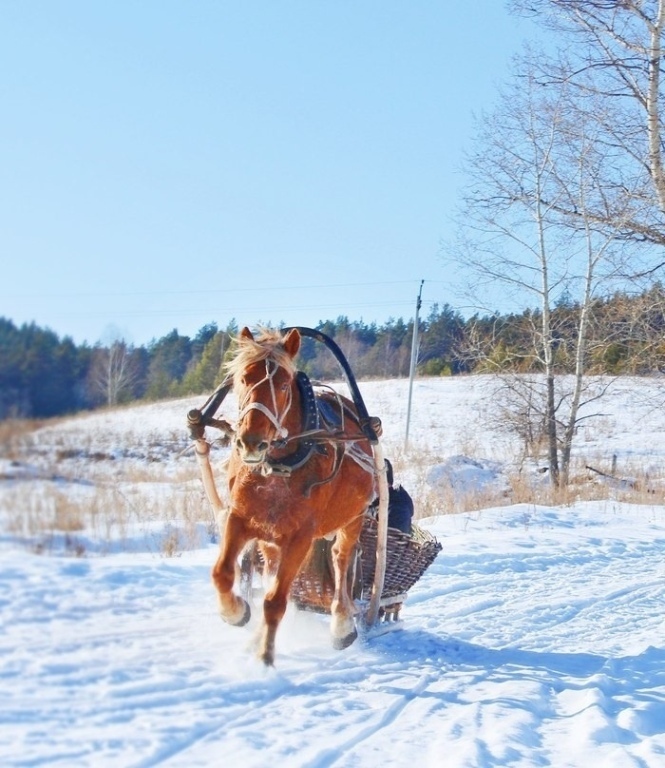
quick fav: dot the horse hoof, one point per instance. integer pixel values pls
(340, 643)
(247, 613)
(268, 659)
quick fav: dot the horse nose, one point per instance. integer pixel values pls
(250, 444)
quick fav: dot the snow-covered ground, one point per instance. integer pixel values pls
(535, 639)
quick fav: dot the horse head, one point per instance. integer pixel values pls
(263, 379)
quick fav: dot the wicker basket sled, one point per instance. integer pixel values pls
(407, 559)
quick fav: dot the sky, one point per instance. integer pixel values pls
(170, 164)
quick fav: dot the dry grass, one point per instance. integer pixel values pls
(71, 490)
(172, 515)
(85, 496)
(631, 485)
(111, 516)
(14, 434)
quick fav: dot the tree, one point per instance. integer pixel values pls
(633, 327)
(441, 338)
(389, 354)
(200, 341)
(169, 358)
(113, 371)
(529, 223)
(207, 373)
(610, 62)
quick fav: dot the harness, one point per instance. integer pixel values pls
(322, 423)
(311, 426)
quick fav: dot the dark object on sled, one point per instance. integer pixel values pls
(408, 557)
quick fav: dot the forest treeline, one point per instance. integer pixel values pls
(43, 375)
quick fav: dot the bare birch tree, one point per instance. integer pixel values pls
(113, 371)
(530, 225)
(610, 59)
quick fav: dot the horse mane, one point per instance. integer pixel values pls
(268, 345)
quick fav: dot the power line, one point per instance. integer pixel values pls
(169, 311)
(203, 291)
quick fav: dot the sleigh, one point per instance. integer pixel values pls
(386, 562)
(407, 557)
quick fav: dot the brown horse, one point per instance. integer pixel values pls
(326, 492)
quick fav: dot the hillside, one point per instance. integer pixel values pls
(462, 454)
(534, 639)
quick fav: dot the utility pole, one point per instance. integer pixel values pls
(414, 360)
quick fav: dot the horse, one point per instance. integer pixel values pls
(290, 485)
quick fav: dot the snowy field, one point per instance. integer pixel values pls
(535, 639)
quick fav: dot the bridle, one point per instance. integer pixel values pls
(274, 416)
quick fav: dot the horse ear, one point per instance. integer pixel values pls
(246, 334)
(292, 342)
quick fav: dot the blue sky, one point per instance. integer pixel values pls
(168, 164)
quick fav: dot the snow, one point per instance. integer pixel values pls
(535, 638)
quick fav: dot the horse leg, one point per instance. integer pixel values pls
(271, 554)
(245, 574)
(234, 609)
(274, 603)
(342, 608)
